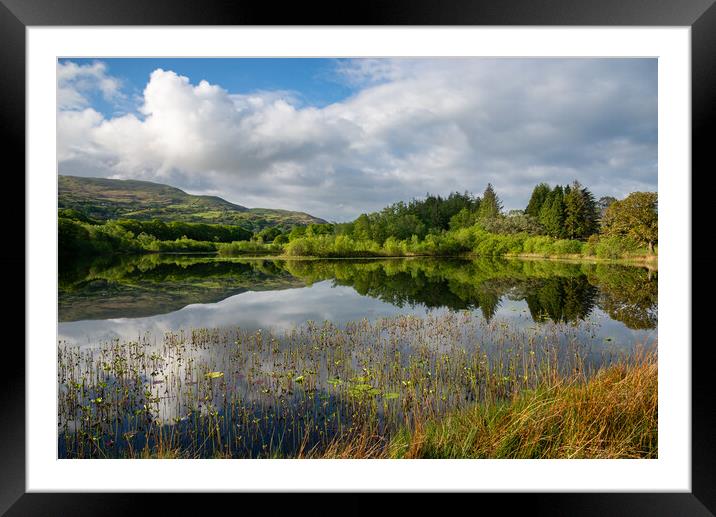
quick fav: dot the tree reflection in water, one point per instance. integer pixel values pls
(557, 291)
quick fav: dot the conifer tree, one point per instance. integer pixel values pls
(580, 212)
(490, 205)
(552, 213)
(539, 196)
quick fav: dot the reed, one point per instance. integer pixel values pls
(612, 415)
(446, 385)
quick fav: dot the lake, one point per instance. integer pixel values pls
(130, 297)
(267, 357)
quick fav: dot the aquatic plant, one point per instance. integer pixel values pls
(316, 390)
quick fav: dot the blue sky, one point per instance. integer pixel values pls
(314, 81)
(337, 137)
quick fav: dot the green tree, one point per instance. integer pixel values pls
(268, 234)
(580, 213)
(72, 236)
(635, 217)
(539, 196)
(490, 205)
(297, 232)
(362, 228)
(463, 219)
(551, 215)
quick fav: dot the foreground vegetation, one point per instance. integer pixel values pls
(612, 415)
(447, 385)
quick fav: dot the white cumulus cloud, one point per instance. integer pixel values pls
(414, 126)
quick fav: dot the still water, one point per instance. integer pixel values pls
(207, 357)
(155, 294)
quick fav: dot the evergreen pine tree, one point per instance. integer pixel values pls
(490, 205)
(552, 214)
(580, 212)
(539, 196)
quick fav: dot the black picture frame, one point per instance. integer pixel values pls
(699, 15)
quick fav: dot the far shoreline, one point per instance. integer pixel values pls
(648, 261)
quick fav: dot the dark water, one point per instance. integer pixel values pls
(155, 294)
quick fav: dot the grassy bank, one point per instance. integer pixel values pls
(612, 415)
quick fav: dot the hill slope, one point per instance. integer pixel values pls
(102, 198)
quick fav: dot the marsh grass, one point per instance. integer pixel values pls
(611, 415)
(447, 385)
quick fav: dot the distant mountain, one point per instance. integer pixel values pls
(102, 198)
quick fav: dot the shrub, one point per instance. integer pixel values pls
(247, 247)
(590, 247)
(492, 245)
(392, 247)
(614, 247)
(540, 244)
(182, 245)
(566, 246)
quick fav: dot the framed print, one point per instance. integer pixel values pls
(411, 250)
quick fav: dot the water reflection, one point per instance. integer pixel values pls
(159, 293)
(303, 350)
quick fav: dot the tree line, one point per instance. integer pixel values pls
(556, 220)
(79, 235)
(561, 212)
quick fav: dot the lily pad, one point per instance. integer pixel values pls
(363, 390)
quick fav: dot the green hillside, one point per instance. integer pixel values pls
(102, 199)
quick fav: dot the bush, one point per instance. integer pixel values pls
(566, 247)
(615, 247)
(247, 248)
(515, 242)
(590, 247)
(335, 246)
(540, 245)
(491, 245)
(392, 247)
(112, 238)
(182, 245)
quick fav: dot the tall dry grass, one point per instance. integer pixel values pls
(612, 415)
